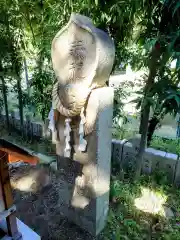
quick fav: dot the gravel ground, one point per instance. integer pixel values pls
(36, 195)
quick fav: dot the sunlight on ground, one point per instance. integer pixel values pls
(24, 184)
(32, 181)
(151, 201)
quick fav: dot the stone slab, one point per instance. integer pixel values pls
(152, 160)
(177, 173)
(169, 164)
(147, 162)
(117, 150)
(156, 160)
(128, 157)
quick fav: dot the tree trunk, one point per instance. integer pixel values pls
(20, 102)
(26, 75)
(153, 65)
(141, 123)
(139, 157)
(151, 128)
(16, 68)
(4, 93)
(178, 129)
(155, 120)
(5, 101)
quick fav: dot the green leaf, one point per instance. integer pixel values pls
(178, 63)
(96, 2)
(176, 8)
(177, 100)
(171, 45)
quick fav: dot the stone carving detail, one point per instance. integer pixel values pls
(82, 58)
(78, 55)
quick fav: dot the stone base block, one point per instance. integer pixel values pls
(155, 160)
(85, 198)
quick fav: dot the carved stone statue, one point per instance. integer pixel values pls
(82, 58)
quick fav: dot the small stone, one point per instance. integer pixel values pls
(168, 213)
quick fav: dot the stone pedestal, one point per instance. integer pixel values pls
(85, 196)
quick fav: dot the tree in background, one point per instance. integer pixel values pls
(3, 55)
(31, 25)
(11, 36)
(117, 18)
(163, 28)
(38, 21)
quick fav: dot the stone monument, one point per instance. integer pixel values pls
(82, 108)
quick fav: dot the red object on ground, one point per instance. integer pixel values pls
(15, 156)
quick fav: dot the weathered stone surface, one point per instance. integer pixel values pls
(130, 149)
(82, 58)
(135, 141)
(86, 56)
(117, 149)
(147, 162)
(155, 160)
(128, 157)
(89, 172)
(157, 156)
(177, 174)
(169, 165)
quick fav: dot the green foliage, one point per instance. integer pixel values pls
(42, 82)
(27, 28)
(165, 92)
(122, 132)
(119, 96)
(127, 222)
(32, 26)
(168, 145)
(163, 97)
(160, 36)
(120, 118)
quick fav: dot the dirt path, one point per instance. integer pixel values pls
(37, 205)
